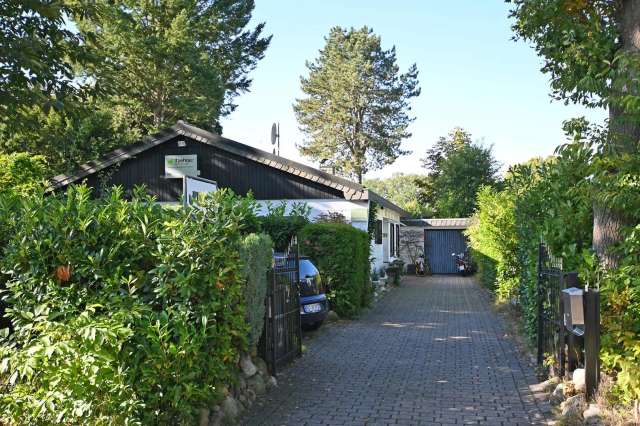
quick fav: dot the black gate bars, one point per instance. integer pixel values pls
(281, 339)
(559, 347)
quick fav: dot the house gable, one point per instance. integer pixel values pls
(238, 173)
(231, 164)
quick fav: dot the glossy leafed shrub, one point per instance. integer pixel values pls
(341, 253)
(123, 312)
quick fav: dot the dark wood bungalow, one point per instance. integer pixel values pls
(240, 167)
(231, 164)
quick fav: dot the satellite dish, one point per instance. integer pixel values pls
(275, 137)
(274, 133)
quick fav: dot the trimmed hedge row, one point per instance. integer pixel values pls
(553, 200)
(123, 312)
(256, 255)
(341, 253)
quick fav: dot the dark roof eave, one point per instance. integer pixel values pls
(372, 196)
(351, 190)
(114, 157)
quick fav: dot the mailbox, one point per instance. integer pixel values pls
(572, 299)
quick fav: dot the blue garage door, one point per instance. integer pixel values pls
(438, 246)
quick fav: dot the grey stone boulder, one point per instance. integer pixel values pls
(573, 406)
(548, 385)
(332, 316)
(262, 366)
(247, 366)
(579, 379)
(593, 416)
(230, 408)
(272, 382)
(257, 384)
(557, 396)
(242, 383)
(251, 395)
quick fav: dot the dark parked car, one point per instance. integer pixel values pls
(314, 305)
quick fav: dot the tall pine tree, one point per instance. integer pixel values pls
(355, 112)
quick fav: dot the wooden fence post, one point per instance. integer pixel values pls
(592, 340)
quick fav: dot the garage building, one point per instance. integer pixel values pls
(437, 239)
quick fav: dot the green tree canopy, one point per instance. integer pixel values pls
(114, 71)
(405, 190)
(355, 113)
(22, 173)
(38, 56)
(591, 50)
(456, 169)
(177, 59)
(66, 138)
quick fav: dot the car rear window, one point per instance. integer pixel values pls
(307, 269)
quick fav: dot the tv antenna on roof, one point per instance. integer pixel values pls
(275, 136)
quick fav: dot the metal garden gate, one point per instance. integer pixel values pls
(438, 246)
(550, 332)
(561, 347)
(281, 339)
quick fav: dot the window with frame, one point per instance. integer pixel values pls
(397, 245)
(392, 240)
(378, 232)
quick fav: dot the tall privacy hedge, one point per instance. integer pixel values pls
(341, 253)
(123, 312)
(256, 255)
(551, 200)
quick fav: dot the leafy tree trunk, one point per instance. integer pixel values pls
(624, 136)
(607, 231)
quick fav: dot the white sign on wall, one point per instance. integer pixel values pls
(180, 165)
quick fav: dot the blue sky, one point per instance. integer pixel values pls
(471, 73)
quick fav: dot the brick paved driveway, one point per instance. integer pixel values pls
(430, 353)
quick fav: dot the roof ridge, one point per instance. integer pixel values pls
(272, 157)
(350, 189)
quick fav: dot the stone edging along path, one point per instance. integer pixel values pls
(431, 352)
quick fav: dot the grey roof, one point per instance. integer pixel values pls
(351, 190)
(446, 223)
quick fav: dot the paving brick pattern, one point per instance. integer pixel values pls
(430, 353)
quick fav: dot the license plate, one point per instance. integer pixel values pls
(312, 308)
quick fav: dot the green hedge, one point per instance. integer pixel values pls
(341, 253)
(256, 254)
(493, 242)
(123, 312)
(552, 200)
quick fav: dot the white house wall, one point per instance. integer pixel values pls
(381, 252)
(353, 211)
